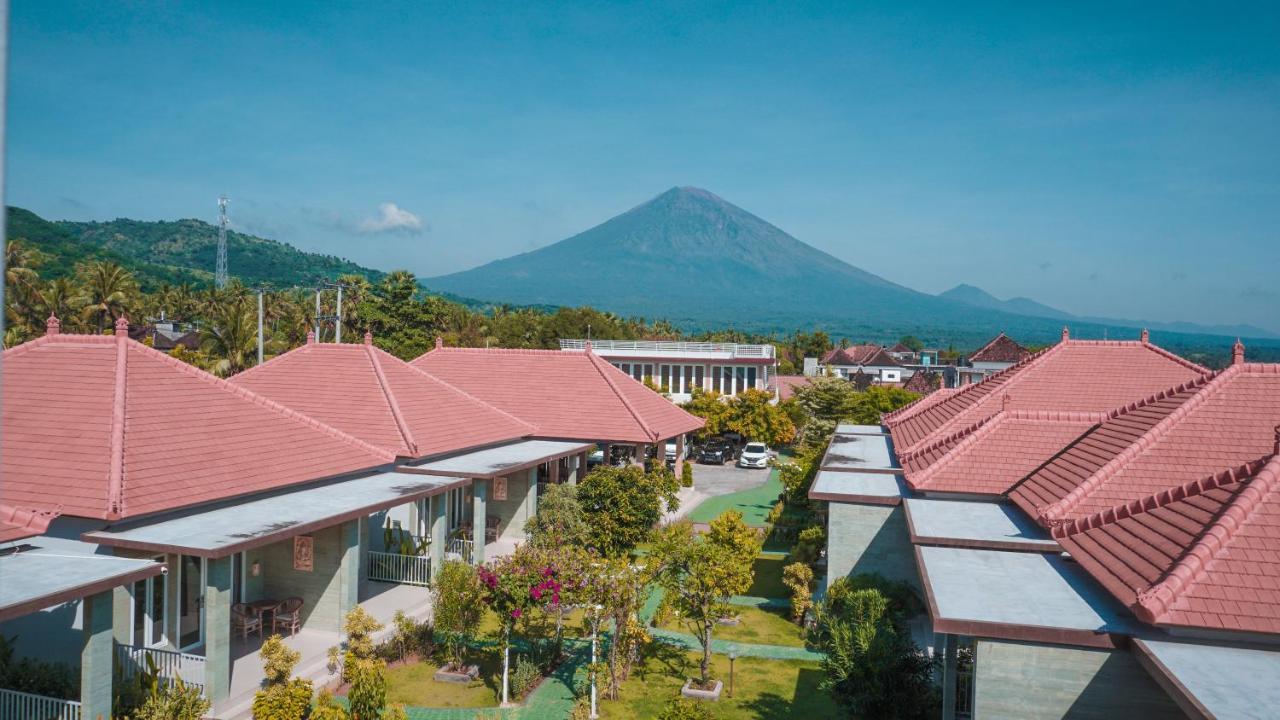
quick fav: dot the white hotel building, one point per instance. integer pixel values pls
(678, 367)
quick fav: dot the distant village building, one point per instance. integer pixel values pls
(871, 360)
(679, 367)
(999, 353)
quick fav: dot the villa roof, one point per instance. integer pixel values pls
(106, 427)
(900, 348)
(1225, 422)
(996, 453)
(381, 399)
(1092, 376)
(788, 384)
(19, 523)
(923, 382)
(860, 355)
(563, 393)
(1000, 348)
(1201, 554)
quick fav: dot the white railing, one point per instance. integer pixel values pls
(463, 550)
(397, 568)
(16, 705)
(171, 665)
(737, 350)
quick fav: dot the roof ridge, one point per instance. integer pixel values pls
(1054, 513)
(1156, 600)
(1155, 398)
(917, 450)
(405, 433)
(468, 396)
(962, 448)
(990, 342)
(917, 406)
(1175, 357)
(508, 351)
(596, 363)
(115, 477)
(1059, 416)
(262, 401)
(278, 360)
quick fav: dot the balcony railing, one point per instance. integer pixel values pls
(734, 350)
(169, 664)
(397, 568)
(16, 705)
(460, 549)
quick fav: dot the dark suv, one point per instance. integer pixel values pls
(716, 452)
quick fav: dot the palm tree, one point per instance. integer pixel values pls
(107, 291)
(60, 298)
(232, 335)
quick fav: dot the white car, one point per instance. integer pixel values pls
(754, 455)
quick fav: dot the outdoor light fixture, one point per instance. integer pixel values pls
(733, 655)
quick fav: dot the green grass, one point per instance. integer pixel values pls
(768, 576)
(414, 686)
(758, 626)
(763, 689)
(754, 503)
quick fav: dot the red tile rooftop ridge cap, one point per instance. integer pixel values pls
(1066, 333)
(504, 351)
(401, 424)
(31, 521)
(1155, 398)
(920, 404)
(368, 338)
(311, 337)
(115, 478)
(1055, 513)
(1154, 602)
(439, 342)
(1145, 337)
(920, 449)
(52, 326)
(1237, 353)
(597, 363)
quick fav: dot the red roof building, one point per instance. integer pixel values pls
(108, 428)
(787, 385)
(1000, 349)
(859, 356)
(381, 399)
(562, 393)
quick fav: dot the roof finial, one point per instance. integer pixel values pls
(1066, 333)
(311, 337)
(368, 338)
(1004, 402)
(439, 342)
(587, 346)
(1145, 337)
(52, 326)
(122, 326)
(1237, 353)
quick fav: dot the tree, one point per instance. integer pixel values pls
(912, 342)
(754, 415)
(798, 577)
(699, 575)
(513, 586)
(232, 337)
(622, 504)
(107, 292)
(614, 590)
(560, 520)
(871, 666)
(711, 407)
(458, 608)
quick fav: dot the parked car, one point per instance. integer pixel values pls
(596, 457)
(669, 452)
(754, 455)
(716, 452)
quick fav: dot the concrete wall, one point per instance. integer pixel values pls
(513, 511)
(1046, 682)
(320, 589)
(869, 539)
(51, 635)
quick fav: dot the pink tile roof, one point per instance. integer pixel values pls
(107, 428)
(1225, 422)
(1073, 375)
(860, 355)
(991, 456)
(1202, 554)
(788, 384)
(565, 394)
(381, 399)
(1000, 348)
(19, 523)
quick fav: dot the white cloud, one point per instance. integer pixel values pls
(392, 218)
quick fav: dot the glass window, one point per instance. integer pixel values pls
(140, 598)
(751, 377)
(697, 376)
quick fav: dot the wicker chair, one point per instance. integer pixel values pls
(288, 614)
(245, 620)
(491, 525)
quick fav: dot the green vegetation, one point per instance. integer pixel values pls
(751, 413)
(560, 521)
(622, 504)
(759, 626)
(767, 576)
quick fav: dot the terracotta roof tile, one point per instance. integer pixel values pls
(565, 394)
(1000, 348)
(788, 384)
(107, 427)
(1201, 554)
(381, 399)
(860, 355)
(923, 382)
(18, 523)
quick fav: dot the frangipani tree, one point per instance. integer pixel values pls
(513, 586)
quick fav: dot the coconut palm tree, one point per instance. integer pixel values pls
(232, 335)
(107, 292)
(61, 299)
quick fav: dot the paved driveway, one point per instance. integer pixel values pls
(714, 480)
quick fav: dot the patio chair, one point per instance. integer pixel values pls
(245, 620)
(289, 615)
(491, 524)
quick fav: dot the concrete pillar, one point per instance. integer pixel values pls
(679, 468)
(640, 449)
(581, 471)
(479, 494)
(362, 547)
(121, 605)
(949, 677)
(437, 532)
(553, 473)
(349, 568)
(531, 495)
(217, 629)
(96, 651)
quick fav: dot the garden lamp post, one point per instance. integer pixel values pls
(733, 655)
(595, 626)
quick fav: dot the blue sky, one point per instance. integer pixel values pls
(1103, 158)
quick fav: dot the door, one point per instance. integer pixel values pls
(191, 584)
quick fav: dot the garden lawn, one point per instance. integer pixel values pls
(414, 686)
(763, 689)
(768, 576)
(754, 503)
(757, 626)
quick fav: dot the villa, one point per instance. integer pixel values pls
(680, 367)
(1093, 530)
(150, 510)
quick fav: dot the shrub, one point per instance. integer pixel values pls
(368, 692)
(328, 709)
(459, 607)
(682, 708)
(176, 701)
(56, 680)
(278, 660)
(524, 676)
(809, 545)
(776, 513)
(395, 712)
(686, 474)
(282, 698)
(798, 577)
(410, 637)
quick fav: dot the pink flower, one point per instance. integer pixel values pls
(516, 613)
(536, 593)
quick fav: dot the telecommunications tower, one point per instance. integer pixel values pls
(220, 272)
